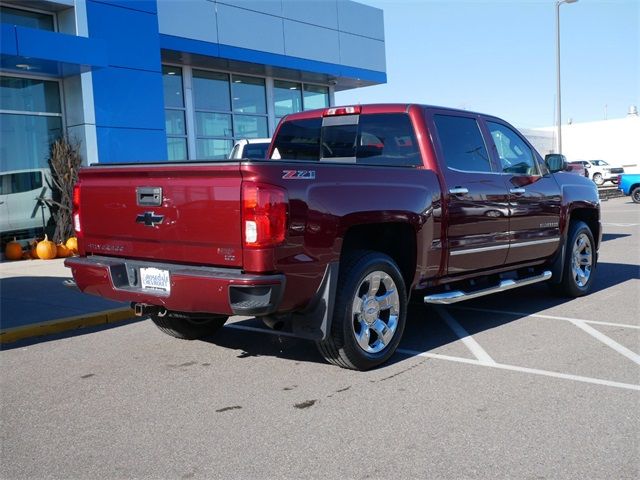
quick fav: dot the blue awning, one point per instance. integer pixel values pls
(47, 53)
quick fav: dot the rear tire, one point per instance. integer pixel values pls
(188, 326)
(635, 195)
(579, 262)
(370, 312)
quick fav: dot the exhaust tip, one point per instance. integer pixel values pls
(273, 323)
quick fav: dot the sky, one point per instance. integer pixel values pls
(499, 57)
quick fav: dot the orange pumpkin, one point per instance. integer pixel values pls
(62, 251)
(13, 250)
(72, 244)
(46, 249)
(32, 251)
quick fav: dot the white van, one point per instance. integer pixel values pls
(21, 207)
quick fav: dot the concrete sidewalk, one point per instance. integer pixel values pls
(35, 301)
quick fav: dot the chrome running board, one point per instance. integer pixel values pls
(455, 296)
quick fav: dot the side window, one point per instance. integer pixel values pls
(462, 143)
(387, 139)
(515, 155)
(298, 140)
(20, 182)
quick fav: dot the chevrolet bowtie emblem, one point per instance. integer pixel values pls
(149, 219)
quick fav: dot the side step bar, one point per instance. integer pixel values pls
(455, 296)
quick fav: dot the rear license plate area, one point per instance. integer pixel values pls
(155, 279)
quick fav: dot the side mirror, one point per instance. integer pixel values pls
(555, 162)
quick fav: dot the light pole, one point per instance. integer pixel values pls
(559, 125)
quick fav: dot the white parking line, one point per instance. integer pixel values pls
(513, 368)
(634, 357)
(550, 317)
(621, 224)
(467, 339)
(470, 361)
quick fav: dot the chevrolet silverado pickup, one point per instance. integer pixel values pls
(354, 210)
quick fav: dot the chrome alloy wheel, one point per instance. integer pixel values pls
(582, 261)
(375, 310)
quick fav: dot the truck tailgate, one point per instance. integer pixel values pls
(175, 213)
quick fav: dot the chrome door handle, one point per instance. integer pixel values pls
(517, 191)
(458, 191)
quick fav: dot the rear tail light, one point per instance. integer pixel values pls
(332, 112)
(264, 215)
(76, 209)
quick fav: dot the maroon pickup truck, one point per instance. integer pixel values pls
(356, 209)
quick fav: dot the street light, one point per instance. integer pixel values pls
(559, 126)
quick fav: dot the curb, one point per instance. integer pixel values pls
(50, 327)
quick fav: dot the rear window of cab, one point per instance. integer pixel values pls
(385, 139)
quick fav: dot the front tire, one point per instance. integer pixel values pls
(598, 179)
(580, 262)
(370, 312)
(635, 195)
(188, 326)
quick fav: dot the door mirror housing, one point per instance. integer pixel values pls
(555, 162)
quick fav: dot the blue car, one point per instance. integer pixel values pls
(630, 185)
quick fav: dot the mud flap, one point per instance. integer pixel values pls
(557, 265)
(314, 323)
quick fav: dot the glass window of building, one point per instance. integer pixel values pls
(315, 96)
(30, 120)
(287, 98)
(211, 91)
(249, 107)
(26, 18)
(213, 120)
(174, 113)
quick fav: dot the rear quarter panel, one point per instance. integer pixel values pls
(323, 209)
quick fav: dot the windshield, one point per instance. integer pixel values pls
(599, 163)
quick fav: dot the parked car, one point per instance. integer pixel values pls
(356, 209)
(578, 168)
(21, 209)
(630, 185)
(600, 171)
(250, 148)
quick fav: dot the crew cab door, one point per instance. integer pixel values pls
(475, 195)
(534, 195)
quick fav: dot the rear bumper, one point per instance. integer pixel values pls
(193, 289)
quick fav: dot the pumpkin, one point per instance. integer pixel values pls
(46, 249)
(62, 251)
(13, 250)
(72, 245)
(32, 250)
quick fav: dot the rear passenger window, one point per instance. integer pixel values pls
(462, 143)
(298, 140)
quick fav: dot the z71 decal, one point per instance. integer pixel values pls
(299, 174)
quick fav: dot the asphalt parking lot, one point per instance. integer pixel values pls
(517, 385)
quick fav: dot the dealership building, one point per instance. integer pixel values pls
(165, 80)
(147, 80)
